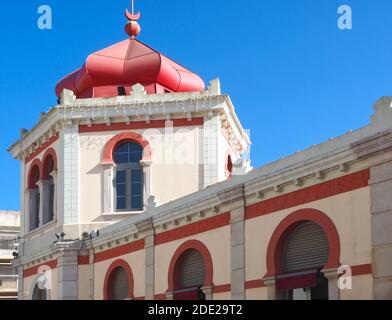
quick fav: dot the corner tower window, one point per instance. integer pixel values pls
(48, 188)
(34, 199)
(49, 194)
(129, 177)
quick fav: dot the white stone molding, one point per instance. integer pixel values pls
(108, 186)
(214, 87)
(70, 172)
(147, 174)
(67, 97)
(138, 91)
(333, 290)
(211, 125)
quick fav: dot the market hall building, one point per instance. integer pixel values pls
(137, 186)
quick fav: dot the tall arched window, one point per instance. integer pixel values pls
(49, 190)
(229, 166)
(34, 198)
(129, 178)
(118, 283)
(305, 253)
(191, 276)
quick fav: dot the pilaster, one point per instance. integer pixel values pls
(211, 125)
(381, 224)
(147, 228)
(70, 161)
(67, 270)
(108, 196)
(237, 225)
(333, 289)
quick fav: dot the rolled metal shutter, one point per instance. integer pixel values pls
(119, 285)
(307, 248)
(193, 272)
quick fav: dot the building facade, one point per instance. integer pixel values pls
(137, 185)
(9, 232)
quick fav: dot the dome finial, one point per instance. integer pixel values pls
(132, 28)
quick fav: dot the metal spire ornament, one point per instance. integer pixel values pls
(132, 28)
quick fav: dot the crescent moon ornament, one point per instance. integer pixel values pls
(132, 16)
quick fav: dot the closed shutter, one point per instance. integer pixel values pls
(193, 272)
(119, 285)
(307, 248)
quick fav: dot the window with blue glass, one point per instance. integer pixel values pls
(129, 177)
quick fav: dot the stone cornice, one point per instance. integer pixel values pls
(89, 111)
(296, 173)
(375, 144)
(53, 252)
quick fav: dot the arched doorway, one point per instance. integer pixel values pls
(303, 246)
(305, 253)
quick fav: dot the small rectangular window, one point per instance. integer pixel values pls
(121, 91)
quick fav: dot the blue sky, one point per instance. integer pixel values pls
(294, 77)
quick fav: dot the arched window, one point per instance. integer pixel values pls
(305, 253)
(129, 178)
(229, 166)
(119, 284)
(191, 276)
(39, 294)
(34, 198)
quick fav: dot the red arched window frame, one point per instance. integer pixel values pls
(113, 143)
(50, 155)
(34, 172)
(109, 276)
(279, 238)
